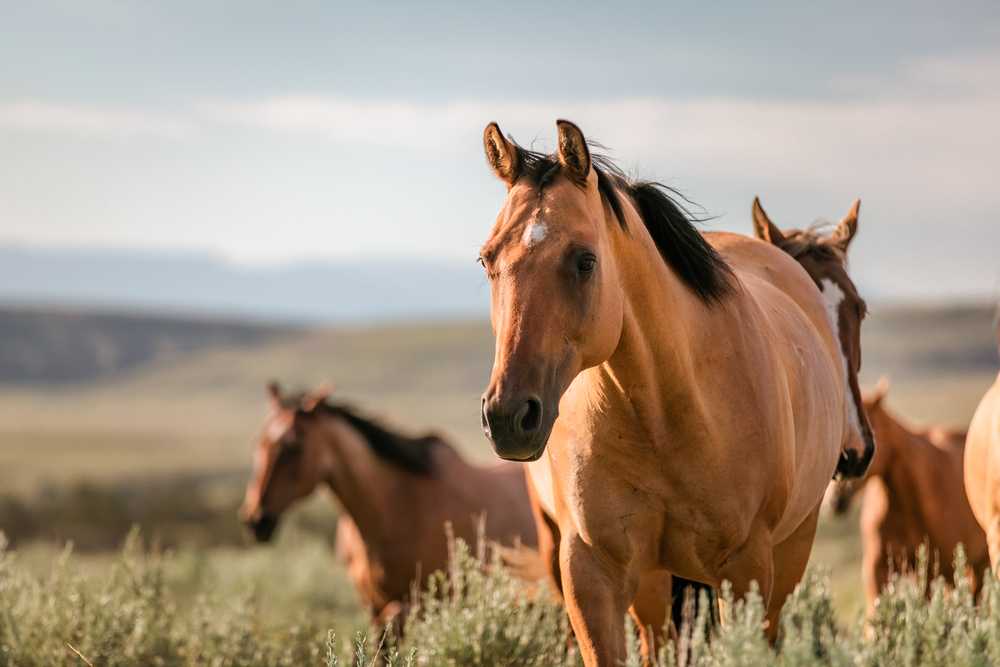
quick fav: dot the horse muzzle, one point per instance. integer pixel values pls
(517, 428)
(262, 526)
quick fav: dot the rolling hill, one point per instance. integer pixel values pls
(156, 395)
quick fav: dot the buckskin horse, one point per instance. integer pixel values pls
(913, 495)
(691, 389)
(982, 467)
(396, 492)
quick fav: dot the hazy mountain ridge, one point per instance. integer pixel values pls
(335, 291)
(78, 315)
(41, 344)
(45, 345)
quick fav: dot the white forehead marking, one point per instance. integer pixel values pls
(534, 233)
(833, 296)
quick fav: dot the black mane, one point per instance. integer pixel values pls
(413, 454)
(670, 223)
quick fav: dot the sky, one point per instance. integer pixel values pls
(282, 132)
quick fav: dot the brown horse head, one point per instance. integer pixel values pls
(825, 260)
(881, 421)
(557, 304)
(308, 440)
(286, 461)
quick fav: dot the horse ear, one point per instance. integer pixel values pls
(574, 155)
(763, 228)
(274, 393)
(848, 227)
(880, 391)
(315, 398)
(501, 154)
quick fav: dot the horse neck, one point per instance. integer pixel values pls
(662, 322)
(371, 491)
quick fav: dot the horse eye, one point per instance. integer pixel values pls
(585, 264)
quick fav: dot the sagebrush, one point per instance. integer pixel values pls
(476, 614)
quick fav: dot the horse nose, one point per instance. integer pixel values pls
(485, 420)
(528, 417)
(513, 426)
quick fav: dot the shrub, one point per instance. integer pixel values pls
(477, 614)
(130, 614)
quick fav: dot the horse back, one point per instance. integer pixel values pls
(751, 257)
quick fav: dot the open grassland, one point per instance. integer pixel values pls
(139, 608)
(166, 445)
(199, 413)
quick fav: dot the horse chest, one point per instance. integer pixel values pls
(540, 474)
(639, 513)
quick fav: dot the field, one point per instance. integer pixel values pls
(164, 443)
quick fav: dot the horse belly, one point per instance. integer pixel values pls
(816, 390)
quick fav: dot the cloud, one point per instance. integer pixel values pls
(930, 128)
(378, 123)
(952, 143)
(35, 115)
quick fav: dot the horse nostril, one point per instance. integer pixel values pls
(529, 417)
(484, 419)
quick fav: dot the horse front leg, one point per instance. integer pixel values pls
(649, 611)
(597, 592)
(752, 562)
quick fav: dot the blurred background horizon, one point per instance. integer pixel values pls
(324, 163)
(196, 198)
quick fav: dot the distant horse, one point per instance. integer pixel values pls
(693, 389)
(982, 468)
(396, 493)
(825, 260)
(913, 495)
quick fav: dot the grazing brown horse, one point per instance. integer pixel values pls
(681, 399)
(396, 493)
(825, 260)
(982, 468)
(913, 495)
